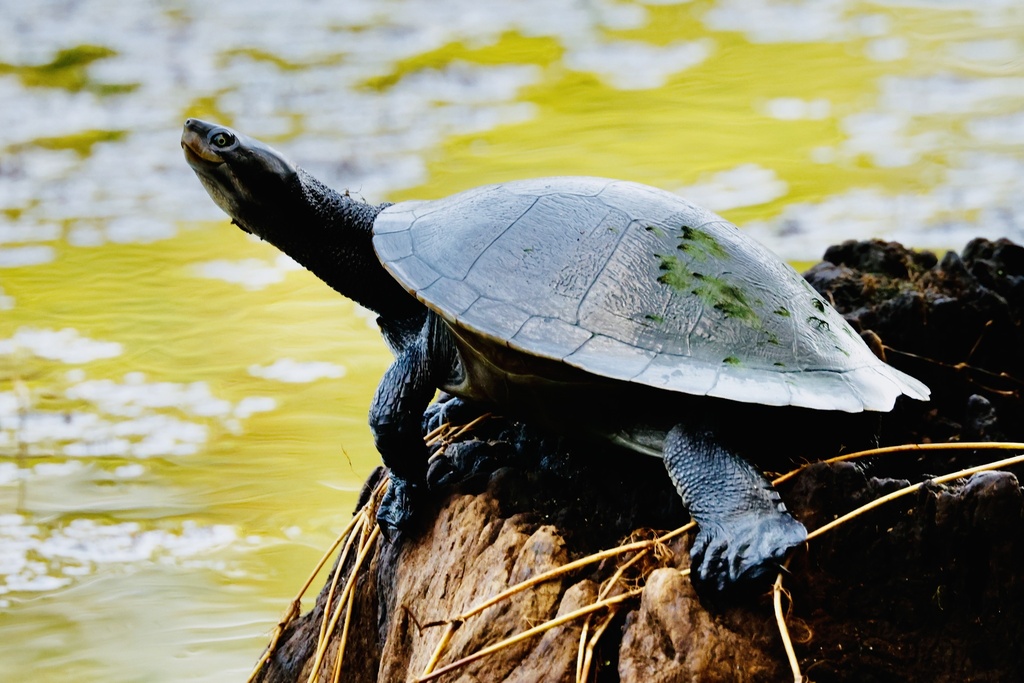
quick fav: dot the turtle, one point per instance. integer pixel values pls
(604, 307)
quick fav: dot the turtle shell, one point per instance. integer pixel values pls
(636, 284)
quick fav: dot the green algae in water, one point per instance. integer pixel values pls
(68, 70)
(258, 55)
(208, 108)
(81, 142)
(510, 48)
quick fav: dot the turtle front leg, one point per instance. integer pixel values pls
(744, 527)
(396, 416)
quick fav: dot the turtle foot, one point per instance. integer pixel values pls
(743, 548)
(448, 409)
(397, 510)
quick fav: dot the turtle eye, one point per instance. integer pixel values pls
(222, 138)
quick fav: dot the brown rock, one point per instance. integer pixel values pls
(672, 638)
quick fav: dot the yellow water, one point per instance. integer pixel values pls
(284, 480)
(290, 479)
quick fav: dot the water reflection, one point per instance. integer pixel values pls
(182, 410)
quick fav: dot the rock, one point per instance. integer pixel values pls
(929, 592)
(928, 587)
(672, 638)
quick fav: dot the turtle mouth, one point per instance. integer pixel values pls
(197, 153)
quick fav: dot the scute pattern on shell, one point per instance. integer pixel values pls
(632, 283)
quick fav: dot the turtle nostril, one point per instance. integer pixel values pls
(188, 122)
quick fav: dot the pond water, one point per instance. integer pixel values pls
(182, 409)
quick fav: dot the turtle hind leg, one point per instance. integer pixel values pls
(745, 530)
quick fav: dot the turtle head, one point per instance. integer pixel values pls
(247, 179)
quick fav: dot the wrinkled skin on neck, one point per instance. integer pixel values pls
(331, 234)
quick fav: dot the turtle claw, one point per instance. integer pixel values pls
(398, 507)
(744, 550)
(446, 409)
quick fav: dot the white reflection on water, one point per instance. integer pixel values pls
(132, 418)
(251, 273)
(66, 345)
(800, 21)
(16, 257)
(745, 185)
(980, 188)
(633, 65)
(42, 558)
(291, 370)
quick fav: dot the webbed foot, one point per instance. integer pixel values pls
(743, 548)
(398, 507)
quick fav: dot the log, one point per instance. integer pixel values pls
(927, 587)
